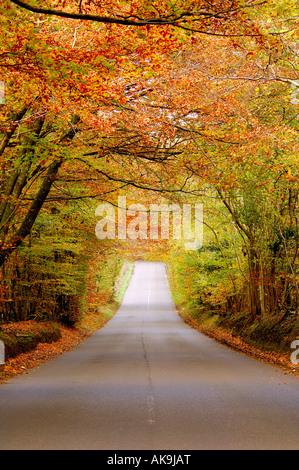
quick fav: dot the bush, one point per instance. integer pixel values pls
(24, 337)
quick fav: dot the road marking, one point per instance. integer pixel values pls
(150, 398)
(151, 409)
(150, 401)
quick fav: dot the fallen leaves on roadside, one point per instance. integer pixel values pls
(236, 343)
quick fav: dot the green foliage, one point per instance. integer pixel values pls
(45, 279)
(122, 281)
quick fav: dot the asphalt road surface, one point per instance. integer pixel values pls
(148, 381)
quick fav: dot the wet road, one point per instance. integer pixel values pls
(148, 381)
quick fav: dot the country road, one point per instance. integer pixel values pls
(148, 381)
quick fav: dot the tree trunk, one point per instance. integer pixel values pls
(32, 213)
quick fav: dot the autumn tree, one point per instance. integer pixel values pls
(167, 98)
(51, 71)
(243, 152)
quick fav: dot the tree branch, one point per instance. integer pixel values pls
(174, 20)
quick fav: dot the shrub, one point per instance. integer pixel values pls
(25, 337)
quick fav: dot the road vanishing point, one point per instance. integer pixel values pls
(148, 381)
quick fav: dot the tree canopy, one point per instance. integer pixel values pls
(192, 101)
